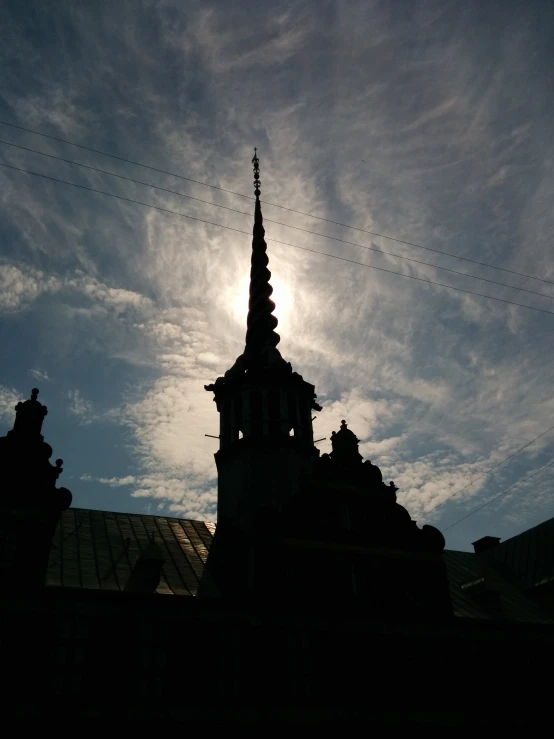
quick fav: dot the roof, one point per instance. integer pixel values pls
(471, 577)
(98, 550)
(529, 555)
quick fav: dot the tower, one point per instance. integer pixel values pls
(291, 522)
(265, 409)
(30, 502)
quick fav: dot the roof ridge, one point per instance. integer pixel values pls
(142, 515)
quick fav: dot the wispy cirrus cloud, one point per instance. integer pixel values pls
(78, 406)
(428, 126)
(39, 374)
(8, 400)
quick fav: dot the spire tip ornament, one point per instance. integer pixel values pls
(256, 165)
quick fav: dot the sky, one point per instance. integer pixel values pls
(429, 122)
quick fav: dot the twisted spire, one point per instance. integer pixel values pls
(261, 337)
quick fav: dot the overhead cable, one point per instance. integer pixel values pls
(275, 241)
(486, 473)
(278, 223)
(275, 205)
(475, 510)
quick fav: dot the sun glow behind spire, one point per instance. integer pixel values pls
(282, 297)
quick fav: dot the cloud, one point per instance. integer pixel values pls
(416, 126)
(19, 288)
(189, 502)
(80, 407)
(21, 285)
(270, 42)
(117, 299)
(58, 110)
(169, 424)
(113, 482)
(172, 493)
(39, 374)
(365, 416)
(8, 400)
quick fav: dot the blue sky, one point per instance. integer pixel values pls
(429, 121)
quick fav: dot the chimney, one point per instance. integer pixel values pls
(484, 544)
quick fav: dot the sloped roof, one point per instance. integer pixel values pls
(529, 555)
(468, 572)
(98, 550)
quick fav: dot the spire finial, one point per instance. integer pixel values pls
(256, 164)
(261, 336)
(260, 350)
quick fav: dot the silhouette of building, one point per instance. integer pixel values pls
(316, 598)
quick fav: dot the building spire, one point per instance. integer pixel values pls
(261, 337)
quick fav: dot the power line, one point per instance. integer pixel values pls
(278, 223)
(275, 205)
(275, 241)
(487, 472)
(546, 466)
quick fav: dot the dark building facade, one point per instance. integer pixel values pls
(315, 598)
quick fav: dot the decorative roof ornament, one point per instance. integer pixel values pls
(345, 445)
(261, 337)
(350, 465)
(257, 182)
(29, 416)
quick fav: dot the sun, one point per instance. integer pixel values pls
(281, 296)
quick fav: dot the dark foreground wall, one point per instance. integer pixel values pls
(76, 654)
